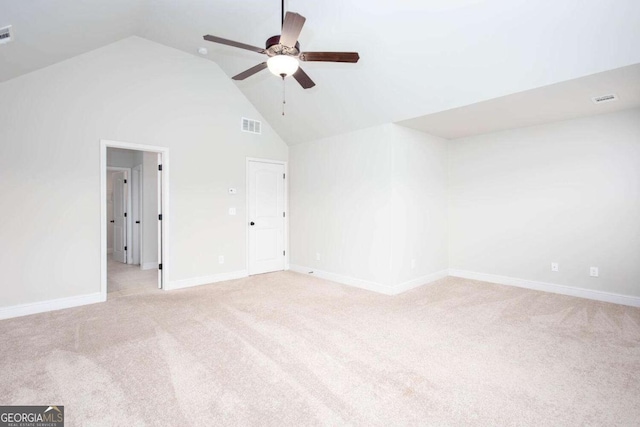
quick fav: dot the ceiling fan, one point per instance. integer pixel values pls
(284, 52)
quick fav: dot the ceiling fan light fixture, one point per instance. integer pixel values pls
(282, 64)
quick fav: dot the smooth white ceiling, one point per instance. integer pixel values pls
(417, 57)
(560, 101)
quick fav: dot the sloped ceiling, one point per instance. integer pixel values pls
(417, 57)
(50, 31)
(561, 101)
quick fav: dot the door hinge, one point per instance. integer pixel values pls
(283, 176)
(160, 167)
(283, 215)
(283, 252)
(160, 217)
(125, 214)
(160, 266)
(125, 248)
(125, 181)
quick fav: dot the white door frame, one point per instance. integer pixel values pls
(164, 224)
(128, 223)
(286, 208)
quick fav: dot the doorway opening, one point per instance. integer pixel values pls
(134, 216)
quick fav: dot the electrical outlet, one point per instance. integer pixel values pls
(554, 266)
(317, 256)
(413, 264)
(220, 259)
(593, 272)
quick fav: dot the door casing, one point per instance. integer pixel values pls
(165, 241)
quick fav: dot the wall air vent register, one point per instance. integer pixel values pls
(251, 126)
(5, 35)
(604, 98)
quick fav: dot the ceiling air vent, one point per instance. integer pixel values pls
(251, 126)
(5, 35)
(604, 98)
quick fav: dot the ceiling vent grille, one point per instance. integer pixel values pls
(5, 35)
(604, 98)
(251, 126)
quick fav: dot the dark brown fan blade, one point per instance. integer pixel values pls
(330, 56)
(250, 72)
(291, 28)
(302, 78)
(234, 44)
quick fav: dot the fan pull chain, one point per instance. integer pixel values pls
(284, 99)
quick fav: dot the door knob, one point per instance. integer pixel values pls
(137, 222)
(252, 223)
(112, 221)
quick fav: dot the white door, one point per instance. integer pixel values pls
(136, 212)
(266, 211)
(119, 219)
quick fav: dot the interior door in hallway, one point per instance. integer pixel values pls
(266, 215)
(136, 213)
(119, 218)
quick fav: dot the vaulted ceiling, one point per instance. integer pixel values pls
(417, 57)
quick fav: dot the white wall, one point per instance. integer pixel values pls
(566, 192)
(505, 204)
(360, 200)
(51, 123)
(149, 255)
(419, 204)
(340, 194)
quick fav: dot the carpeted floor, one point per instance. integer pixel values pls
(288, 349)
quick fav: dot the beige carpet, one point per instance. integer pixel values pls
(288, 349)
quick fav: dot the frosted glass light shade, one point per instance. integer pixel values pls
(282, 64)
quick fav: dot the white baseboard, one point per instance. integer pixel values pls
(206, 280)
(51, 305)
(369, 285)
(548, 287)
(148, 265)
(345, 280)
(420, 281)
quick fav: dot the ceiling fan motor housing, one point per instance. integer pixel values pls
(273, 47)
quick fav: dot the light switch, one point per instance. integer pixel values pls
(232, 211)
